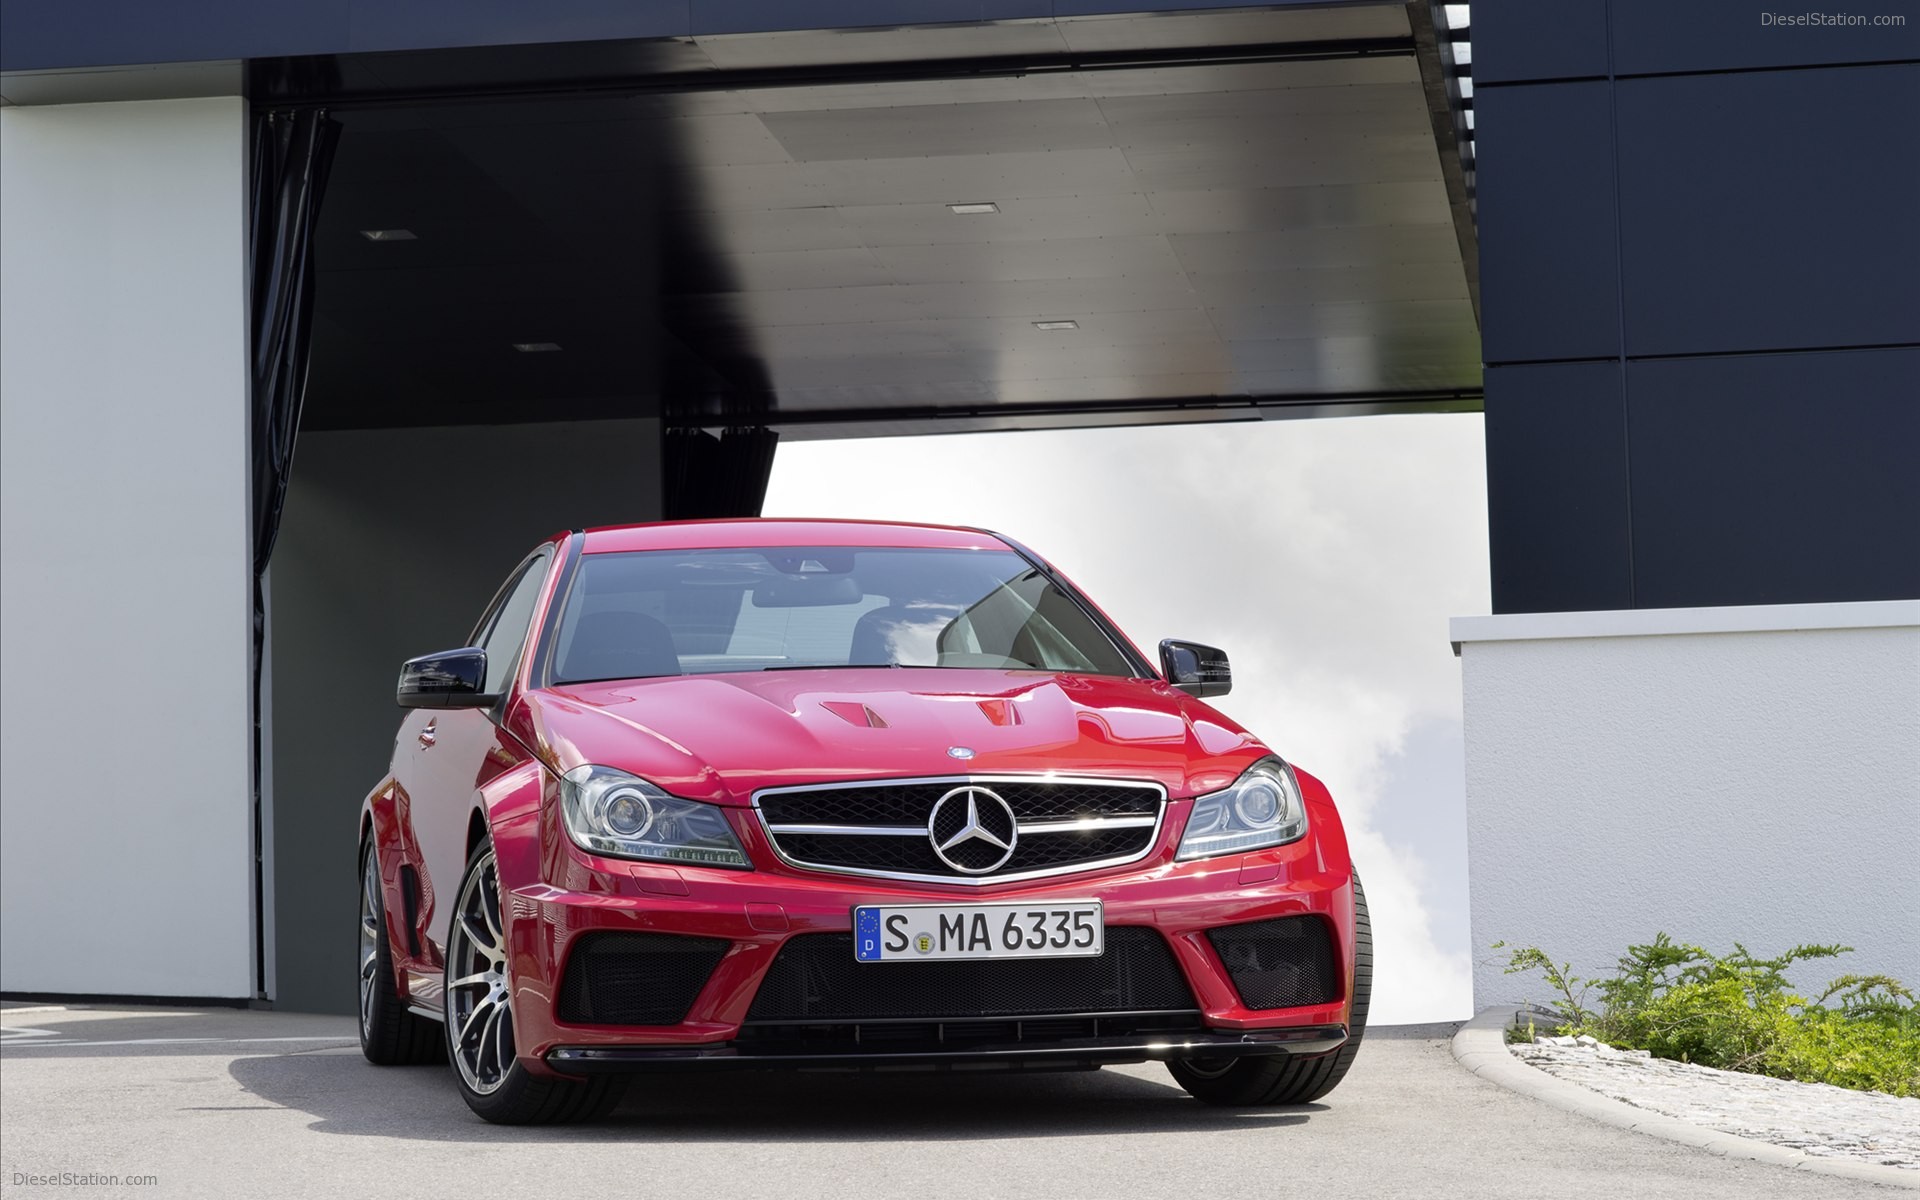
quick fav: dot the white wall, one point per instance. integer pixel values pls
(124, 593)
(1637, 772)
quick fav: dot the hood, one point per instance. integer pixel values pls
(722, 737)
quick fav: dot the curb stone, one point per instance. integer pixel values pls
(1481, 1047)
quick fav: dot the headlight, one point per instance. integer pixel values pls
(1262, 808)
(611, 812)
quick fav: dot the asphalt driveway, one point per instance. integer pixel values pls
(274, 1104)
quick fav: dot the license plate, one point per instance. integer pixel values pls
(922, 932)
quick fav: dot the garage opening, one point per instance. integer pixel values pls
(598, 283)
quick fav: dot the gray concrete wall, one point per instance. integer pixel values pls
(393, 541)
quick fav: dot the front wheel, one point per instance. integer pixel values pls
(1251, 1081)
(479, 1025)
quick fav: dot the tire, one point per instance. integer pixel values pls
(1288, 1080)
(479, 1028)
(390, 1035)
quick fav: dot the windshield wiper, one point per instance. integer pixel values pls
(831, 666)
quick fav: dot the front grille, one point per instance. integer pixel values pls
(815, 978)
(882, 828)
(636, 978)
(1279, 964)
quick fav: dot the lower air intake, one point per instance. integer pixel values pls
(636, 978)
(815, 978)
(1279, 964)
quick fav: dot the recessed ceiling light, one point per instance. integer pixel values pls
(536, 347)
(1056, 324)
(389, 235)
(966, 210)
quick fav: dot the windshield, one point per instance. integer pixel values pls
(701, 612)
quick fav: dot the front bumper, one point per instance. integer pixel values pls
(558, 895)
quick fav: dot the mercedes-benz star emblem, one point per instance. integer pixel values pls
(973, 830)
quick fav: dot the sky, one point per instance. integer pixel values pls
(1324, 556)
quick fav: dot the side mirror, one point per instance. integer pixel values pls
(1195, 669)
(449, 679)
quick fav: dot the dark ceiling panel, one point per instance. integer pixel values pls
(904, 338)
(1372, 282)
(1041, 299)
(761, 230)
(1236, 27)
(1130, 258)
(1267, 232)
(937, 179)
(829, 47)
(1363, 205)
(1301, 77)
(1387, 319)
(1263, 251)
(786, 270)
(1297, 162)
(995, 127)
(1020, 219)
(1358, 109)
(1321, 84)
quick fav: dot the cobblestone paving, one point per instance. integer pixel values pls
(1817, 1118)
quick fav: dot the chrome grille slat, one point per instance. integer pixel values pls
(1027, 827)
(853, 830)
(877, 828)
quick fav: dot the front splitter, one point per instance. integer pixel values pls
(1305, 1042)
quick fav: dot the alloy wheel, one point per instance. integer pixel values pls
(479, 1012)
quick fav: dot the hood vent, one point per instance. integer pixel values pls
(854, 714)
(1000, 712)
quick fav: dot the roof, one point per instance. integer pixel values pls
(716, 535)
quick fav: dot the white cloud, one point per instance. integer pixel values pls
(1325, 556)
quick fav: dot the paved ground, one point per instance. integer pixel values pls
(112, 1092)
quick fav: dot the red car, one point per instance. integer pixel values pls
(759, 793)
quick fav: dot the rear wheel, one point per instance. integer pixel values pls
(1286, 1080)
(479, 1026)
(389, 1034)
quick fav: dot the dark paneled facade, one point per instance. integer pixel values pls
(48, 35)
(1700, 278)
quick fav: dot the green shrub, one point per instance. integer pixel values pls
(1739, 1012)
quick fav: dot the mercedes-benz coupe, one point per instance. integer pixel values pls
(772, 794)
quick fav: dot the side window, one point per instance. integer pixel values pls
(508, 629)
(1031, 623)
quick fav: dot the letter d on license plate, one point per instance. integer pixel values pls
(923, 932)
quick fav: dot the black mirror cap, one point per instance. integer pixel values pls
(1197, 670)
(449, 679)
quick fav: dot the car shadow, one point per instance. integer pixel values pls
(86, 1031)
(347, 1095)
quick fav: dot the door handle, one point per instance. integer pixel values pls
(426, 734)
